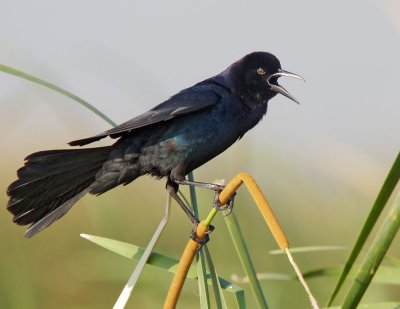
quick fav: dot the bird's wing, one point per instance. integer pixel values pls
(185, 102)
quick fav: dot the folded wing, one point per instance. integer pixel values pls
(186, 101)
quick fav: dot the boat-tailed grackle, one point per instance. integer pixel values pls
(170, 140)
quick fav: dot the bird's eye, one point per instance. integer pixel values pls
(260, 71)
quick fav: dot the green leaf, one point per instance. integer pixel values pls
(392, 260)
(135, 253)
(204, 293)
(161, 261)
(388, 305)
(380, 202)
(236, 290)
(308, 249)
(37, 80)
(374, 256)
(244, 256)
(263, 276)
(130, 285)
(219, 296)
(384, 275)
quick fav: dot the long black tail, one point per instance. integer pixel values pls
(50, 183)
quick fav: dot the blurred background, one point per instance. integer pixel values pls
(320, 164)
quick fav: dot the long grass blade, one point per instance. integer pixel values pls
(39, 81)
(386, 305)
(392, 260)
(161, 261)
(134, 253)
(204, 293)
(390, 183)
(384, 275)
(127, 291)
(219, 296)
(308, 249)
(236, 290)
(374, 256)
(244, 256)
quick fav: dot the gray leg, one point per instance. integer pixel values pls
(206, 185)
(214, 187)
(172, 189)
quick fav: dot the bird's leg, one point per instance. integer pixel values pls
(172, 188)
(206, 185)
(214, 187)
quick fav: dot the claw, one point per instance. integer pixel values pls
(229, 204)
(211, 228)
(217, 188)
(201, 242)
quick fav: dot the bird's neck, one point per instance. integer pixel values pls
(253, 99)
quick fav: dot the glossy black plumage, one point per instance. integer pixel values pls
(170, 140)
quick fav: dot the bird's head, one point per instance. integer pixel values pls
(254, 78)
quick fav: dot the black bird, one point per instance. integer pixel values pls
(170, 140)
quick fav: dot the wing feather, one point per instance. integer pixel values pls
(187, 101)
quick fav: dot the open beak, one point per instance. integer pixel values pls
(280, 89)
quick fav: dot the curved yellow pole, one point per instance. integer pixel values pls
(261, 202)
(186, 260)
(191, 248)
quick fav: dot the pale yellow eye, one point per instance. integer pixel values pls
(260, 71)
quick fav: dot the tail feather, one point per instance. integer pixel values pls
(27, 213)
(57, 179)
(49, 184)
(49, 218)
(38, 167)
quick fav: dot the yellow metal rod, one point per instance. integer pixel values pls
(191, 247)
(183, 268)
(261, 202)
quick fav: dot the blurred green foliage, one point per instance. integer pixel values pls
(58, 269)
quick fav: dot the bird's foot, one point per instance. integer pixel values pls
(200, 242)
(229, 205)
(215, 187)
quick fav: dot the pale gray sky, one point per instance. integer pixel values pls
(127, 56)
